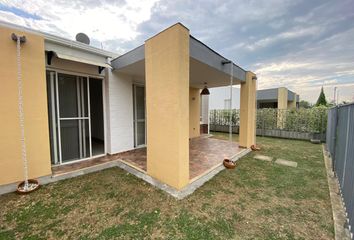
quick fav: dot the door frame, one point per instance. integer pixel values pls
(88, 76)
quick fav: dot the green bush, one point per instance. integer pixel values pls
(313, 120)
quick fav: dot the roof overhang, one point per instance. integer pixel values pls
(206, 65)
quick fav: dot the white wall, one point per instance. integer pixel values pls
(119, 112)
(218, 95)
(204, 109)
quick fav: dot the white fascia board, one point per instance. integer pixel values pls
(51, 39)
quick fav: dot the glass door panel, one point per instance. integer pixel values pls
(75, 141)
(69, 131)
(68, 96)
(139, 115)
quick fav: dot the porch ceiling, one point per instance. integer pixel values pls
(205, 66)
(199, 74)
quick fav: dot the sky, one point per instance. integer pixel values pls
(299, 44)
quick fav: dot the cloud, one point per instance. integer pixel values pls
(302, 45)
(325, 64)
(101, 20)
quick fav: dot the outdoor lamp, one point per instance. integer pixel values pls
(205, 90)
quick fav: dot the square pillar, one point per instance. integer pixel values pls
(282, 98)
(282, 106)
(167, 105)
(248, 111)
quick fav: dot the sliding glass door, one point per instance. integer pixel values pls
(69, 117)
(139, 115)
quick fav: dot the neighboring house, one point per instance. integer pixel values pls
(81, 102)
(280, 98)
(267, 98)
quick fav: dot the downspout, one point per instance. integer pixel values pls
(230, 117)
(231, 83)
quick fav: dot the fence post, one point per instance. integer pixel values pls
(263, 125)
(335, 119)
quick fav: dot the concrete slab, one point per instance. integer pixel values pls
(263, 158)
(286, 162)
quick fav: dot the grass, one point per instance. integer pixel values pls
(257, 200)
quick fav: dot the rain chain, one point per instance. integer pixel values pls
(21, 112)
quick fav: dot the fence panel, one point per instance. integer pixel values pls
(340, 144)
(294, 124)
(331, 130)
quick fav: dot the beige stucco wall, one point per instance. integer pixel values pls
(194, 112)
(167, 106)
(292, 104)
(248, 111)
(282, 98)
(282, 105)
(35, 108)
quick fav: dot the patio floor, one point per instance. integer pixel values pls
(205, 153)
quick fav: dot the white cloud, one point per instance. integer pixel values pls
(296, 33)
(102, 21)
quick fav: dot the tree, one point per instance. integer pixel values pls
(321, 101)
(304, 104)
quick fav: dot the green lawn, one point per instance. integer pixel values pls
(257, 200)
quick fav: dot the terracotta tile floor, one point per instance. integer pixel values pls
(204, 154)
(82, 164)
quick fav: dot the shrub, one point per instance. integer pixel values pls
(313, 120)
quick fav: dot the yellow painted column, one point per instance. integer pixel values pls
(194, 112)
(35, 108)
(282, 98)
(167, 105)
(248, 111)
(282, 106)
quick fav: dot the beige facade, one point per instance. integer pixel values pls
(35, 108)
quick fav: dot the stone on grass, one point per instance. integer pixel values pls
(315, 141)
(286, 162)
(263, 158)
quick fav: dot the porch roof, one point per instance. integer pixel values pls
(206, 65)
